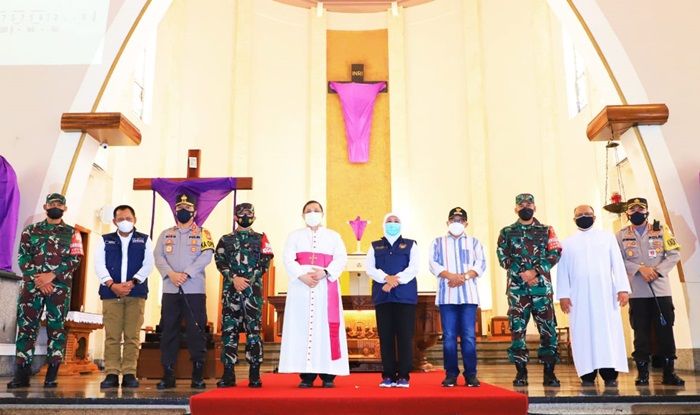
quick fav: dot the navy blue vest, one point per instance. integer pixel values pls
(113, 261)
(393, 259)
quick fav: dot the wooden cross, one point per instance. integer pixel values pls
(193, 165)
(357, 75)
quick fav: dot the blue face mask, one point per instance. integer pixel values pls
(392, 228)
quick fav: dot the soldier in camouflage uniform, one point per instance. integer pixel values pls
(49, 253)
(528, 250)
(242, 257)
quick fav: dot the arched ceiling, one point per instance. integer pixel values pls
(353, 6)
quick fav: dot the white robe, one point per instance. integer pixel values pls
(591, 272)
(305, 336)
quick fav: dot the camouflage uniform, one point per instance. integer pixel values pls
(245, 254)
(521, 248)
(45, 248)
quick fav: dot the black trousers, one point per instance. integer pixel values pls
(310, 377)
(173, 311)
(644, 314)
(606, 373)
(396, 324)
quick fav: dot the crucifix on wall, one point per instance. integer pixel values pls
(357, 101)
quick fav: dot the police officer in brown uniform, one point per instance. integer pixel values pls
(650, 252)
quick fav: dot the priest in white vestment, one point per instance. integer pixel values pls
(592, 285)
(313, 335)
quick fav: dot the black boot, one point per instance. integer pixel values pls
(21, 378)
(642, 373)
(198, 375)
(51, 375)
(549, 378)
(228, 379)
(129, 381)
(254, 377)
(521, 375)
(168, 380)
(670, 377)
(111, 381)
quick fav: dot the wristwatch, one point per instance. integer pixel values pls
(326, 272)
(135, 281)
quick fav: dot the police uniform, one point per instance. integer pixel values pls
(530, 247)
(187, 250)
(45, 248)
(651, 245)
(242, 253)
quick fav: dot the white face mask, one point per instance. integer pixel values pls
(456, 228)
(125, 226)
(313, 218)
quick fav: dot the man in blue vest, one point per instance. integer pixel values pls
(392, 263)
(123, 261)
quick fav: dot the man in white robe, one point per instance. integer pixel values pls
(313, 336)
(592, 285)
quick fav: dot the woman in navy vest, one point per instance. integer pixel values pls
(392, 263)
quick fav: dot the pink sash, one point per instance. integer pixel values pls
(322, 261)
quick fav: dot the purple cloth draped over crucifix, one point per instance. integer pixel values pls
(358, 227)
(208, 193)
(9, 213)
(357, 100)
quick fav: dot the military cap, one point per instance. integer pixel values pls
(524, 197)
(55, 197)
(637, 201)
(457, 211)
(242, 208)
(185, 199)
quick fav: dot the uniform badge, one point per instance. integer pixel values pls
(652, 253)
(402, 245)
(168, 249)
(630, 252)
(194, 249)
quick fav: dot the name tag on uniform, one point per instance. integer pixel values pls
(652, 253)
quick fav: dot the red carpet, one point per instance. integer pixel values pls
(359, 394)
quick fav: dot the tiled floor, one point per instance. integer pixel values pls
(85, 389)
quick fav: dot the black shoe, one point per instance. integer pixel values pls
(549, 378)
(228, 379)
(129, 381)
(587, 383)
(449, 381)
(198, 375)
(520, 375)
(328, 384)
(305, 385)
(670, 377)
(254, 377)
(21, 378)
(168, 380)
(610, 383)
(111, 381)
(642, 373)
(471, 381)
(51, 375)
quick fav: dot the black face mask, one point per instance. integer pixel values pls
(54, 213)
(585, 222)
(526, 213)
(183, 216)
(637, 218)
(245, 221)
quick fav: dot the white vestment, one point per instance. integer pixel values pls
(591, 272)
(306, 344)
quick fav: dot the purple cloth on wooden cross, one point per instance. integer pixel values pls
(208, 193)
(358, 227)
(357, 101)
(9, 213)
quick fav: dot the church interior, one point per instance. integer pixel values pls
(573, 101)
